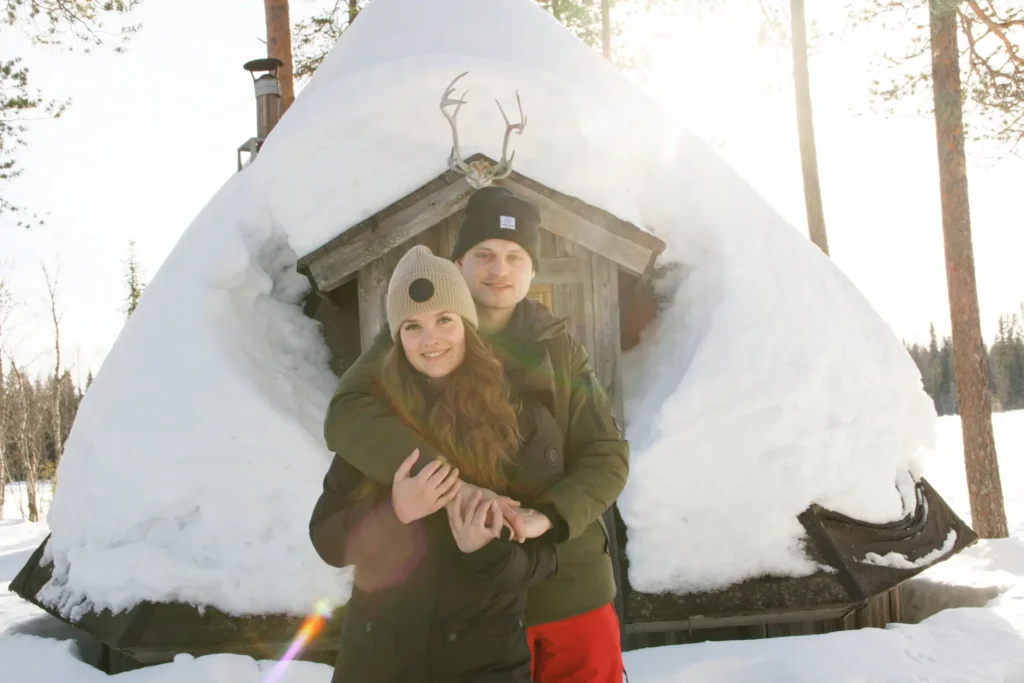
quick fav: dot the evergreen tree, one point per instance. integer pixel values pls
(70, 23)
(314, 36)
(991, 60)
(1007, 358)
(133, 280)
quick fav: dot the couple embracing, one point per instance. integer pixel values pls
(475, 454)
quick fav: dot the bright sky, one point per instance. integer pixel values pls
(151, 135)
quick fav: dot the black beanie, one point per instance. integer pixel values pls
(496, 213)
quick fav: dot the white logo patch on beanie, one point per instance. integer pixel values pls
(507, 222)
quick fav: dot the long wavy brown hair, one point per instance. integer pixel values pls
(472, 417)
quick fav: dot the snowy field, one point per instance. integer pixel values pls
(977, 644)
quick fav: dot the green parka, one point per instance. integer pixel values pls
(538, 352)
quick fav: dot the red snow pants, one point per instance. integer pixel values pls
(580, 649)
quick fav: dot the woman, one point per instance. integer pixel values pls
(440, 590)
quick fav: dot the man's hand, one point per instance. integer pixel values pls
(434, 487)
(469, 523)
(508, 509)
(534, 523)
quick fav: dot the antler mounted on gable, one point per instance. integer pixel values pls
(479, 173)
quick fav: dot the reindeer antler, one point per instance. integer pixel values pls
(479, 174)
(504, 167)
(455, 161)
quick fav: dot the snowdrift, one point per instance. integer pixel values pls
(768, 384)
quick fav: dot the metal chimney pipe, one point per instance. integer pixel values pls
(268, 94)
(268, 103)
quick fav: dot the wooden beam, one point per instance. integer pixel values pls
(629, 254)
(373, 238)
(558, 271)
(605, 356)
(449, 233)
(373, 287)
(701, 622)
(587, 259)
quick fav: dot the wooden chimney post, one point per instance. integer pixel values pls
(279, 46)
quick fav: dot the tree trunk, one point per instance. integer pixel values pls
(353, 10)
(805, 129)
(24, 442)
(3, 438)
(279, 44)
(55, 425)
(986, 494)
(30, 491)
(606, 29)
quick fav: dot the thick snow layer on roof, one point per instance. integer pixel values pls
(197, 455)
(768, 384)
(369, 129)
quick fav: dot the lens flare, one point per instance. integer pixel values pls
(308, 631)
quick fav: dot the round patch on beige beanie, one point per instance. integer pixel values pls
(423, 282)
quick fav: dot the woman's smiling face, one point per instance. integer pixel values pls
(434, 342)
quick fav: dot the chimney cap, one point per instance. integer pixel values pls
(263, 64)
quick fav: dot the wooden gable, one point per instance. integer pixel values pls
(339, 260)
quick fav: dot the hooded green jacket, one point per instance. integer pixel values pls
(538, 353)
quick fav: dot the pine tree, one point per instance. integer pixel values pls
(988, 512)
(67, 23)
(3, 438)
(279, 45)
(589, 20)
(1012, 364)
(133, 280)
(1001, 361)
(805, 129)
(5, 307)
(991, 55)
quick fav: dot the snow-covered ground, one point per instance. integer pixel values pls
(982, 644)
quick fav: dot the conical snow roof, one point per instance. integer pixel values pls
(769, 383)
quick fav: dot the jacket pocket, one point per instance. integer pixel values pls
(484, 650)
(355, 653)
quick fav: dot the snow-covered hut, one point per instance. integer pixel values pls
(774, 418)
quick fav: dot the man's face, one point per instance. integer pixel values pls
(498, 273)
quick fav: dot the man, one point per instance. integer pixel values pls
(573, 630)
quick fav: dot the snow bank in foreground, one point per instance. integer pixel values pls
(42, 660)
(769, 384)
(962, 645)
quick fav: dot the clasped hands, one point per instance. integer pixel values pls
(476, 515)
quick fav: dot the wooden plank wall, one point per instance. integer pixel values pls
(585, 291)
(880, 610)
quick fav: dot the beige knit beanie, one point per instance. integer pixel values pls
(424, 282)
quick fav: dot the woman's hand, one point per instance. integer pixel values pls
(508, 509)
(433, 488)
(469, 521)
